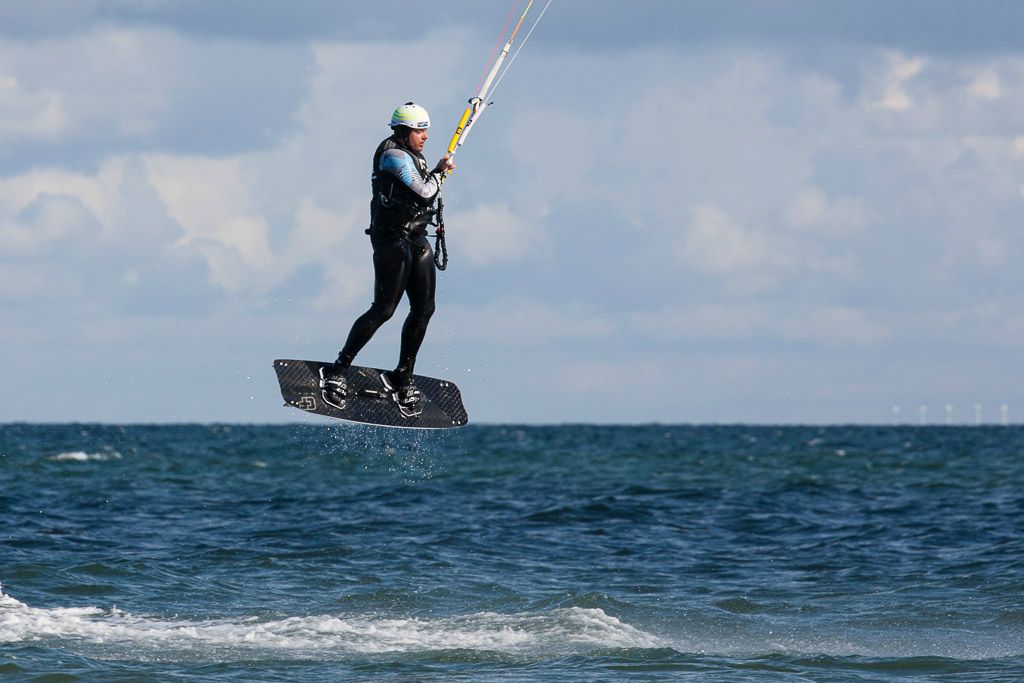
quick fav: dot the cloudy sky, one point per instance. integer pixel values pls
(731, 211)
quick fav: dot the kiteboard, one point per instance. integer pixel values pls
(369, 401)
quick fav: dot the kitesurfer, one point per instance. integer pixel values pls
(405, 190)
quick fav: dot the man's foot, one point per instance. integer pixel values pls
(333, 385)
(403, 392)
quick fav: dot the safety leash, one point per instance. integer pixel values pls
(440, 249)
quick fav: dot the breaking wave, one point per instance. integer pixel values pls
(82, 456)
(118, 634)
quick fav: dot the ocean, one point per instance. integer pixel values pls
(324, 552)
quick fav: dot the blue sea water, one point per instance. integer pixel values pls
(504, 553)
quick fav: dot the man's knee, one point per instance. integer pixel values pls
(422, 311)
(382, 312)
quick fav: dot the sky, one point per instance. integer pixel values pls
(679, 212)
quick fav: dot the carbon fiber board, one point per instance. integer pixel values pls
(368, 402)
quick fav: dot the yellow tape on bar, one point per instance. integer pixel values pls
(458, 130)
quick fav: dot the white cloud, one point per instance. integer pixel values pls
(113, 89)
(211, 201)
(826, 326)
(899, 71)
(336, 243)
(54, 218)
(99, 192)
(492, 234)
(813, 211)
(34, 114)
(986, 86)
(833, 326)
(701, 322)
(519, 322)
(609, 379)
(713, 243)
(990, 252)
(67, 88)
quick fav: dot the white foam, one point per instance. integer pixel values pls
(121, 635)
(115, 634)
(82, 456)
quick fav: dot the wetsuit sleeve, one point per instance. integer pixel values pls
(401, 165)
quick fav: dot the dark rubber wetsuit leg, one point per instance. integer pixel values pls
(420, 287)
(392, 262)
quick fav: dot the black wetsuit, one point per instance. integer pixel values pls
(404, 192)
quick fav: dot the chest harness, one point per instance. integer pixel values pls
(395, 210)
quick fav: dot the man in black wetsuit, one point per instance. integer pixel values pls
(404, 192)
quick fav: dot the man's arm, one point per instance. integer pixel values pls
(401, 165)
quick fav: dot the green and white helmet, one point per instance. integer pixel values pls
(411, 116)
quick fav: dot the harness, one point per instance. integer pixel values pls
(395, 210)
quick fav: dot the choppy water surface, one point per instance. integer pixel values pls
(323, 553)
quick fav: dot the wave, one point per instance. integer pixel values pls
(545, 634)
(82, 456)
(114, 634)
